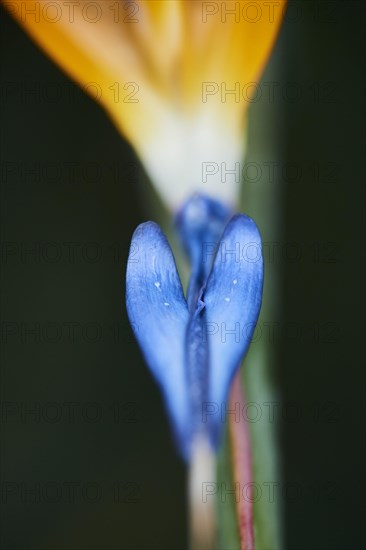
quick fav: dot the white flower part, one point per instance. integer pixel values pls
(196, 154)
(202, 480)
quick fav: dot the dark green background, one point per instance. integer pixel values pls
(324, 50)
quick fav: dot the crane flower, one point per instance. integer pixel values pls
(182, 338)
(175, 76)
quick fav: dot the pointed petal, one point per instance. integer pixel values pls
(159, 315)
(232, 300)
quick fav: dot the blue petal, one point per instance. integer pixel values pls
(159, 316)
(200, 223)
(232, 298)
(197, 367)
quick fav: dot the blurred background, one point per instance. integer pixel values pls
(87, 460)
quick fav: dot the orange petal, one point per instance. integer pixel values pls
(148, 61)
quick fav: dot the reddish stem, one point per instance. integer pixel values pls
(242, 467)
